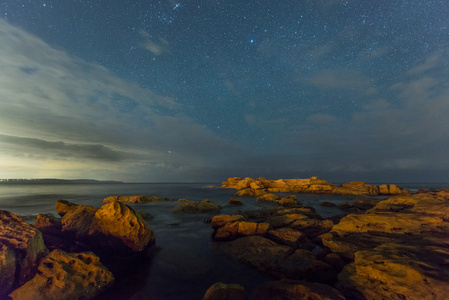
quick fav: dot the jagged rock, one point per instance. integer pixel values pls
(122, 222)
(221, 291)
(366, 203)
(68, 276)
(287, 289)
(205, 206)
(21, 248)
(312, 227)
(289, 201)
(135, 199)
(221, 220)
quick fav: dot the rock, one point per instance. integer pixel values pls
(398, 271)
(221, 220)
(235, 201)
(122, 222)
(255, 250)
(135, 199)
(257, 185)
(63, 206)
(357, 188)
(366, 203)
(68, 276)
(328, 204)
(287, 289)
(221, 291)
(391, 189)
(285, 220)
(278, 260)
(78, 220)
(289, 201)
(290, 237)
(21, 248)
(237, 229)
(312, 227)
(46, 221)
(268, 198)
(8, 269)
(205, 206)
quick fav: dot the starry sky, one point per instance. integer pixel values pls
(158, 91)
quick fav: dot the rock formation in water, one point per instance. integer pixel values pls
(258, 187)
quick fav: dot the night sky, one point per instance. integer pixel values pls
(155, 91)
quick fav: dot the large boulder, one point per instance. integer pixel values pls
(21, 248)
(63, 275)
(113, 228)
(288, 289)
(221, 291)
(236, 229)
(122, 222)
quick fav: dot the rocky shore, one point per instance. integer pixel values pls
(260, 186)
(398, 249)
(378, 248)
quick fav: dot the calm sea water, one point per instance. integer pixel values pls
(186, 264)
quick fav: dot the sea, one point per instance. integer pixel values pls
(186, 263)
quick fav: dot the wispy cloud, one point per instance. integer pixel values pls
(155, 45)
(71, 114)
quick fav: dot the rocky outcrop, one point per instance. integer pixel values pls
(190, 207)
(135, 199)
(113, 228)
(221, 291)
(398, 249)
(279, 245)
(63, 275)
(21, 248)
(257, 187)
(295, 290)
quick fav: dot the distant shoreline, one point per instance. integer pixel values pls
(57, 181)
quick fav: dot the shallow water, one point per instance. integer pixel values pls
(186, 265)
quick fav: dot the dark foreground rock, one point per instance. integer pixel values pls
(287, 289)
(261, 186)
(63, 275)
(221, 291)
(21, 248)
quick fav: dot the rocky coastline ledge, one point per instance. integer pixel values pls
(260, 186)
(397, 249)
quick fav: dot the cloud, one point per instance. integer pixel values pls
(341, 79)
(61, 115)
(157, 46)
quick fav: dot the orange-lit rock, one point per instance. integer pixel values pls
(190, 207)
(68, 276)
(21, 248)
(221, 220)
(221, 291)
